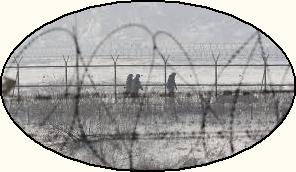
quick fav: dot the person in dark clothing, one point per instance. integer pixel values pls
(7, 85)
(128, 86)
(136, 85)
(171, 84)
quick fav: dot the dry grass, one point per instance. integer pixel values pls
(172, 124)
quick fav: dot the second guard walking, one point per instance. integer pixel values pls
(136, 85)
(171, 84)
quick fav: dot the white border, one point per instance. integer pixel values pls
(19, 18)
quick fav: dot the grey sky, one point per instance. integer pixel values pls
(188, 24)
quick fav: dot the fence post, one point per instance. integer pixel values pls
(115, 76)
(265, 73)
(18, 81)
(165, 78)
(216, 79)
(165, 60)
(66, 74)
(115, 81)
(265, 67)
(66, 78)
(28, 116)
(18, 76)
(216, 72)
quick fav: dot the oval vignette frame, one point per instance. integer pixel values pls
(175, 2)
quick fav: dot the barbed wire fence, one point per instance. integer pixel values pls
(81, 62)
(264, 84)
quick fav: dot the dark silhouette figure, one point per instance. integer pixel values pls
(136, 85)
(128, 86)
(171, 84)
(7, 85)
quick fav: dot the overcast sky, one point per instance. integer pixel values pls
(188, 24)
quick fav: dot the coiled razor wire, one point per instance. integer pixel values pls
(133, 135)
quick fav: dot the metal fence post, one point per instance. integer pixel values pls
(66, 79)
(28, 116)
(18, 77)
(216, 79)
(165, 61)
(265, 73)
(165, 78)
(115, 75)
(115, 81)
(265, 67)
(18, 81)
(66, 74)
(216, 72)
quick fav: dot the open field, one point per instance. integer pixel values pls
(152, 131)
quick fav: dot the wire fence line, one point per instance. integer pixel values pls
(142, 65)
(104, 85)
(206, 49)
(115, 66)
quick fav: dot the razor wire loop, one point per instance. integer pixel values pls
(180, 47)
(75, 116)
(235, 54)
